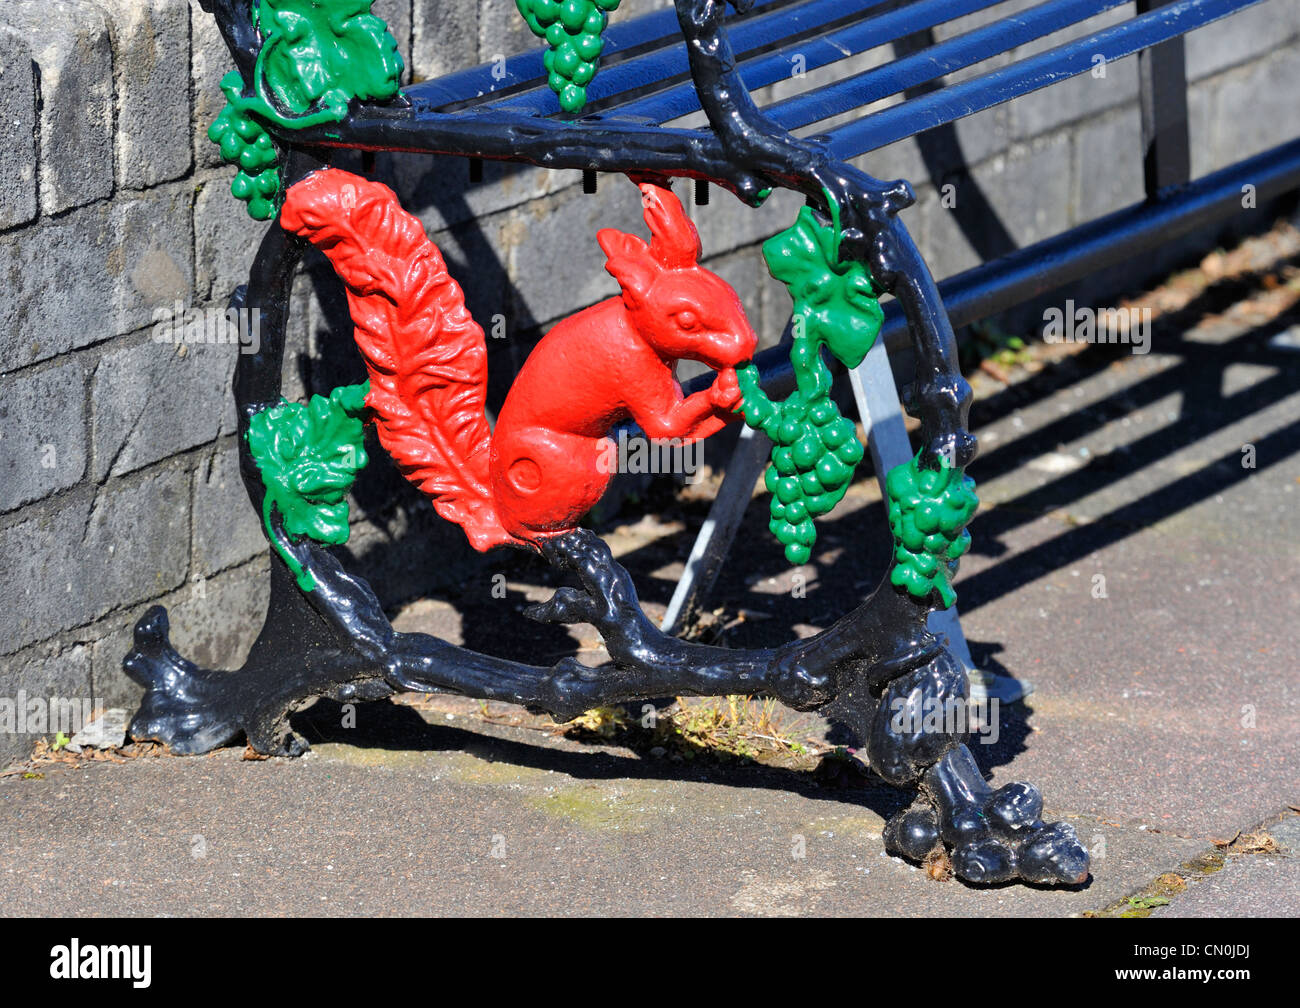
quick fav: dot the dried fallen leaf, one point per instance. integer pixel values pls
(990, 367)
(938, 866)
(1255, 843)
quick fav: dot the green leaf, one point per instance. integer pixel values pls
(838, 301)
(1147, 902)
(326, 52)
(309, 456)
(316, 57)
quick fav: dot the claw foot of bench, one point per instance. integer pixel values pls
(193, 710)
(918, 737)
(185, 707)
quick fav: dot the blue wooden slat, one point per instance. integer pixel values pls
(935, 61)
(959, 100)
(850, 40)
(663, 64)
(526, 68)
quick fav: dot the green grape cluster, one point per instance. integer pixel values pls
(246, 144)
(572, 29)
(928, 512)
(815, 452)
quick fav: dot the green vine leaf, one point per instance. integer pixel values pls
(316, 57)
(309, 456)
(322, 54)
(835, 303)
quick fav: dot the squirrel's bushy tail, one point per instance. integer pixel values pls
(426, 356)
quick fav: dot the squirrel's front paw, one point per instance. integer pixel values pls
(725, 392)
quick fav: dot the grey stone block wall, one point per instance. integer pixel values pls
(17, 129)
(71, 46)
(119, 486)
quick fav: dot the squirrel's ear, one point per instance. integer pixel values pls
(674, 242)
(617, 245)
(628, 260)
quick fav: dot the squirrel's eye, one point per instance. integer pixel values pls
(688, 320)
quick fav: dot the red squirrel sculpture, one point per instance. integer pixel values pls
(548, 460)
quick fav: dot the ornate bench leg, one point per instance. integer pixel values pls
(195, 710)
(325, 634)
(992, 836)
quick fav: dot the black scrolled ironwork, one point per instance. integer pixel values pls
(335, 640)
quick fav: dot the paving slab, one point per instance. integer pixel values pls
(508, 827)
(1258, 886)
(1257, 875)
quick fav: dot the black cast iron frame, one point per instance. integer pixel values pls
(336, 641)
